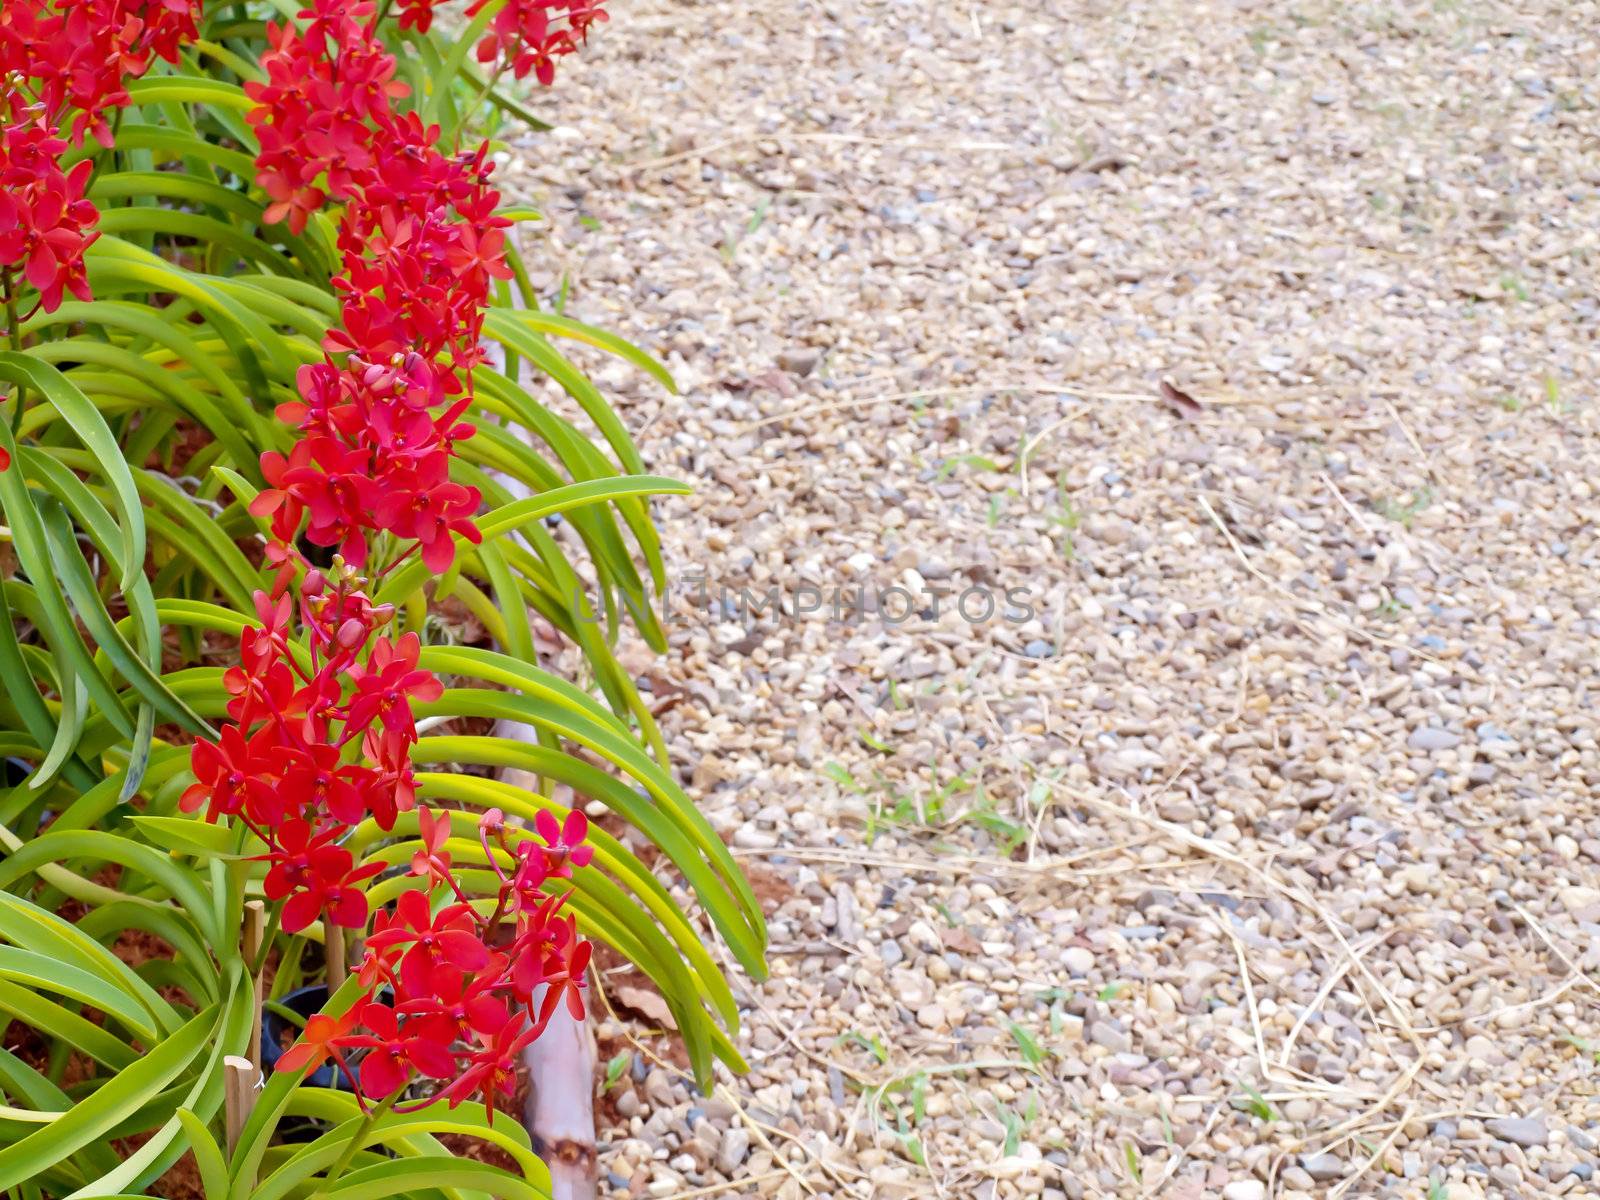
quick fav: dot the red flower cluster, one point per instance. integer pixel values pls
(322, 739)
(373, 456)
(55, 60)
(79, 54)
(320, 112)
(453, 994)
(524, 35)
(283, 769)
(45, 222)
(420, 246)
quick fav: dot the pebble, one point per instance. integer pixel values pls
(1078, 960)
(1245, 1189)
(1322, 1167)
(799, 362)
(731, 1152)
(931, 1016)
(1522, 1131)
(1432, 738)
(1104, 1033)
(659, 1088)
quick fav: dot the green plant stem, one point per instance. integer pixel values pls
(488, 86)
(285, 1013)
(13, 342)
(288, 975)
(372, 1116)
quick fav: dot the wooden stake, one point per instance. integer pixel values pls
(255, 925)
(238, 1095)
(333, 946)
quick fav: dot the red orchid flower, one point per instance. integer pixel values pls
(491, 1069)
(393, 1051)
(432, 860)
(393, 788)
(432, 941)
(388, 683)
(422, 504)
(564, 971)
(465, 1005)
(314, 780)
(319, 1041)
(318, 878)
(228, 771)
(565, 839)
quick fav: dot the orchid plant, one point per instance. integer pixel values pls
(257, 450)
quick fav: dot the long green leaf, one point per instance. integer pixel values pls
(546, 322)
(74, 575)
(207, 1154)
(96, 437)
(105, 1108)
(177, 881)
(28, 539)
(381, 1181)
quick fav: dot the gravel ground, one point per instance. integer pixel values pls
(1248, 848)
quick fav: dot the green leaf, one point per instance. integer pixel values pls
(1029, 1045)
(187, 834)
(95, 434)
(26, 925)
(108, 1106)
(64, 1024)
(28, 539)
(611, 856)
(615, 1067)
(546, 322)
(508, 329)
(41, 973)
(383, 1181)
(188, 89)
(207, 1154)
(671, 821)
(165, 1145)
(464, 40)
(413, 1136)
(74, 575)
(563, 499)
(53, 848)
(24, 695)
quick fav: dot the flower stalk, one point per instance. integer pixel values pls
(368, 1119)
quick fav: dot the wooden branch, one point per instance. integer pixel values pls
(333, 946)
(562, 1068)
(560, 1110)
